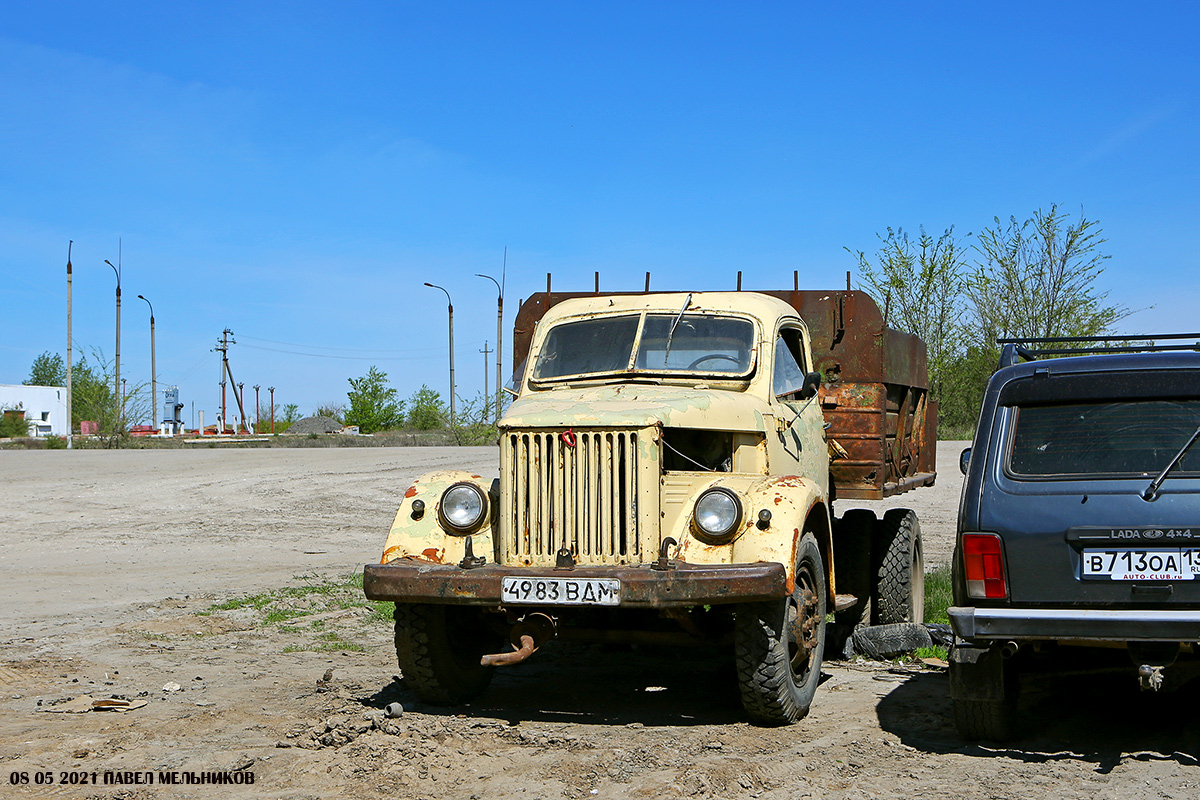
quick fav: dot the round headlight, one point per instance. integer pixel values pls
(718, 514)
(462, 507)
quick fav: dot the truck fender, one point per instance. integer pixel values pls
(796, 505)
(420, 536)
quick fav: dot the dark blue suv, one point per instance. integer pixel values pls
(1078, 527)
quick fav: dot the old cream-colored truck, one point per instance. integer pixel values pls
(667, 474)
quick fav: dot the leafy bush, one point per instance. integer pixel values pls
(373, 404)
(426, 411)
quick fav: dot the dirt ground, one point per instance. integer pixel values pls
(124, 575)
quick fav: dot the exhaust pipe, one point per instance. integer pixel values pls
(530, 633)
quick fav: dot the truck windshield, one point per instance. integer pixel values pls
(1112, 439)
(701, 344)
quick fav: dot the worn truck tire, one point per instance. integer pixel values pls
(885, 642)
(778, 645)
(899, 592)
(438, 649)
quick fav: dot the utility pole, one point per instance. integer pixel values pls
(257, 412)
(271, 389)
(485, 352)
(242, 405)
(70, 427)
(223, 347)
(117, 381)
(450, 311)
(153, 371)
(499, 331)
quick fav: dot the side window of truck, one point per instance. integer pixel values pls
(789, 364)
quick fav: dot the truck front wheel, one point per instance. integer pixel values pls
(779, 644)
(438, 649)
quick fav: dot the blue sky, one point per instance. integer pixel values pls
(295, 172)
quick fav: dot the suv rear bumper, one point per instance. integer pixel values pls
(1149, 625)
(641, 587)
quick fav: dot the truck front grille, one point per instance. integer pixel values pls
(576, 490)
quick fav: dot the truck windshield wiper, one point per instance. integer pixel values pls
(1152, 490)
(670, 334)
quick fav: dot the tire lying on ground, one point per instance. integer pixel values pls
(885, 642)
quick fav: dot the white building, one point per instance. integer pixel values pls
(45, 407)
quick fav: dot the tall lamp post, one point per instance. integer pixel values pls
(499, 335)
(70, 410)
(257, 413)
(117, 381)
(450, 309)
(153, 370)
(271, 389)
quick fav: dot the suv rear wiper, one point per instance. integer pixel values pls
(1152, 490)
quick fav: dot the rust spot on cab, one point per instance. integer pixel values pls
(433, 554)
(387, 554)
(412, 490)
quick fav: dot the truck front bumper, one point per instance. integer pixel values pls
(683, 584)
(1122, 625)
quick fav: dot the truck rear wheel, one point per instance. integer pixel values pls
(778, 645)
(438, 649)
(899, 560)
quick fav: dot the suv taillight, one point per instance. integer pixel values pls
(983, 565)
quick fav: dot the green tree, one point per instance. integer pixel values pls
(13, 424)
(47, 370)
(373, 404)
(92, 396)
(335, 411)
(1037, 279)
(426, 411)
(920, 287)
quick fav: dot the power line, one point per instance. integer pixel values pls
(336, 349)
(344, 358)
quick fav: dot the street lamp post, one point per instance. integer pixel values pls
(271, 389)
(70, 410)
(450, 310)
(257, 412)
(153, 370)
(499, 336)
(117, 380)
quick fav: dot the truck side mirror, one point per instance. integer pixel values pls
(964, 459)
(812, 382)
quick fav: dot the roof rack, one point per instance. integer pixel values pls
(1016, 349)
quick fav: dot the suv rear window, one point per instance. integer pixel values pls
(1105, 438)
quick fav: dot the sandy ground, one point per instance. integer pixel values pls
(112, 561)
